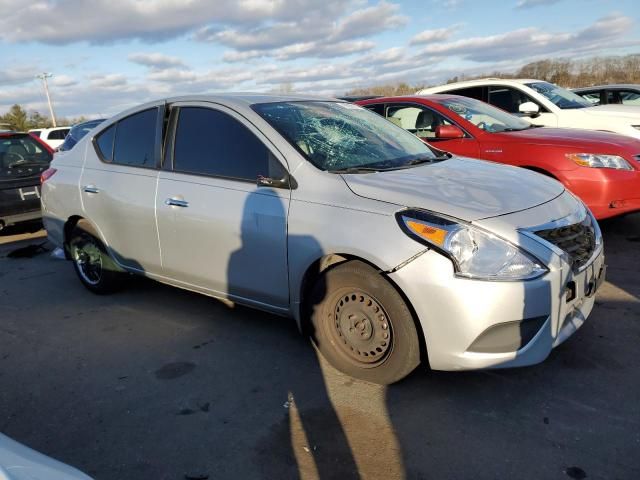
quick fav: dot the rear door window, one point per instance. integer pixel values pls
(135, 142)
(210, 142)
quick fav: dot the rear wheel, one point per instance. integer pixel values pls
(362, 325)
(95, 268)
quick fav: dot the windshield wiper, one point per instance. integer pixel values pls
(357, 170)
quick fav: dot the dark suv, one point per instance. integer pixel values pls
(23, 158)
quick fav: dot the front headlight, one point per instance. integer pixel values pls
(475, 253)
(599, 161)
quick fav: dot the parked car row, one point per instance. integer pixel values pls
(387, 251)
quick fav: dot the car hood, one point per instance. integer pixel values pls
(575, 137)
(460, 187)
(617, 110)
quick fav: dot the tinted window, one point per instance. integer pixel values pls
(58, 134)
(629, 97)
(136, 140)
(472, 92)
(104, 142)
(210, 142)
(507, 98)
(35, 133)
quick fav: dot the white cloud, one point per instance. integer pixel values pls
(17, 75)
(535, 3)
(156, 60)
(310, 36)
(529, 42)
(103, 21)
(430, 36)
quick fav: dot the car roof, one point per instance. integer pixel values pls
(614, 85)
(483, 81)
(238, 100)
(249, 98)
(427, 96)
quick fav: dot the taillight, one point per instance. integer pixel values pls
(47, 174)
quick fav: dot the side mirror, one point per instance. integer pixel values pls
(529, 109)
(448, 132)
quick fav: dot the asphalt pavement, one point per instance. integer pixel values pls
(160, 383)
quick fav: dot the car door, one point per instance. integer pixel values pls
(423, 121)
(118, 188)
(219, 230)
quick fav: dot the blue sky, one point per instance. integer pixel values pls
(109, 55)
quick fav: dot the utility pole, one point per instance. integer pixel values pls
(43, 76)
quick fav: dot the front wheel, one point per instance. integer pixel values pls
(93, 265)
(362, 325)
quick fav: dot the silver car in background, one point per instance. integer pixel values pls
(385, 253)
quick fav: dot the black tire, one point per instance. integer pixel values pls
(93, 265)
(362, 325)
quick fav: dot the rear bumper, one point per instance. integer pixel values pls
(473, 324)
(8, 220)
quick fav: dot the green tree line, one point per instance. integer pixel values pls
(17, 118)
(564, 72)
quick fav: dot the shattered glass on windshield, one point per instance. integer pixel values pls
(337, 136)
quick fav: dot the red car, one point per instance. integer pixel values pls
(602, 168)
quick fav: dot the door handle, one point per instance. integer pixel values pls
(91, 189)
(174, 202)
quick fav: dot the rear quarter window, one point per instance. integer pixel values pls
(104, 143)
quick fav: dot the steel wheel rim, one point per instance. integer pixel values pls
(88, 258)
(361, 328)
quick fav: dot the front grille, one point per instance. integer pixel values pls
(577, 240)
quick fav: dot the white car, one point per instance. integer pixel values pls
(546, 104)
(51, 136)
(18, 462)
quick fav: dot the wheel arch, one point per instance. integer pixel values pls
(328, 261)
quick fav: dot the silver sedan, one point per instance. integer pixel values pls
(386, 252)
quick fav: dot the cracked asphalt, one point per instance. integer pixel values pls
(159, 383)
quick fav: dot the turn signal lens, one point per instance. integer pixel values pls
(429, 233)
(599, 161)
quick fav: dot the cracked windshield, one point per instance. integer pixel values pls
(339, 136)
